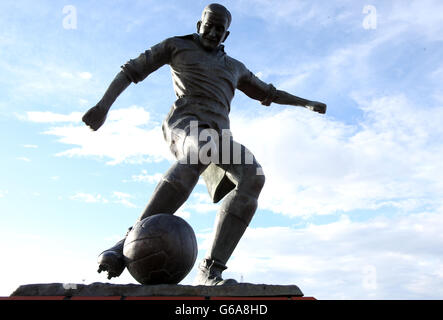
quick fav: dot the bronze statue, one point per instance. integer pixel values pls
(204, 79)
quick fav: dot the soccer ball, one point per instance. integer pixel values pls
(160, 249)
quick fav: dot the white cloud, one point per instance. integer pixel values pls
(200, 202)
(121, 195)
(317, 165)
(83, 102)
(363, 58)
(295, 13)
(30, 146)
(51, 117)
(38, 78)
(294, 80)
(400, 256)
(421, 17)
(314, 164)
(3, 193)
(67, 75)
(145, 177)
(117, 196)
(72, 263)
(123, 198)
(343, 67)
(25, 159)
(89, 198)
(184, 214)
(259, 75)
(84, 75)
(127, 136)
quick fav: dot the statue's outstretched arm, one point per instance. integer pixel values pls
(282, 97)
(266, 93)
(135, 70)
(96, 116)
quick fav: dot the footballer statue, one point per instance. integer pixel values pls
(204, 80)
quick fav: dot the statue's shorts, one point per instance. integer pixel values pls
(197, 130)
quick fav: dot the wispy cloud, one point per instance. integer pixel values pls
(80, 75)
(382, 258)
(89, 198)
(25, 159)
(184, 214)
(145, 177)
(115, 197)
(201, 202)
(85, 75)
(417, 16)
(314, 164)
(384, 157)
(318, 165)
(36, 80)
(72, 264)
(123, 198)
(421, 18)
(296, 13)
(127, 136)
(51, 117)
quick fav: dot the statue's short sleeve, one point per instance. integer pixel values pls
(255, 88)
(139, 68)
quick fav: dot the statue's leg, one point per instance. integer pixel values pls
(173, 189)
(169, 195)
(111, 260)
(233, 218)
(177, 184)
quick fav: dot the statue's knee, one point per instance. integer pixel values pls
(183, 175)
(259, 181)
(252, 182)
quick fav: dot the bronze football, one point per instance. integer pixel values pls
(160, 249)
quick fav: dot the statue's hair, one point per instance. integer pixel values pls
(218, 9)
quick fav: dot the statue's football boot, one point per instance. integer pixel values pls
(232, 220)
(167, 198)
(112, 259)
(209, 274)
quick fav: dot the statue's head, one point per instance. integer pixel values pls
(213, 26)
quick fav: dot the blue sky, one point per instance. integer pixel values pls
(352, 207)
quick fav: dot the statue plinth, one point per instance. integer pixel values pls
(98, 289)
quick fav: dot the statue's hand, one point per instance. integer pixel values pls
(316, 106)
(95, 117)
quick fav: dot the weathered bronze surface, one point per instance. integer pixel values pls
(204, 79)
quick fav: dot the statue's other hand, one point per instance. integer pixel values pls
(95, 117)
(317, 107)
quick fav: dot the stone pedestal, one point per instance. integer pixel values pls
(99, 289)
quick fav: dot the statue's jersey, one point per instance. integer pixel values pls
(204, 82)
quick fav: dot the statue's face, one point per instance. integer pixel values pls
(212, 30)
